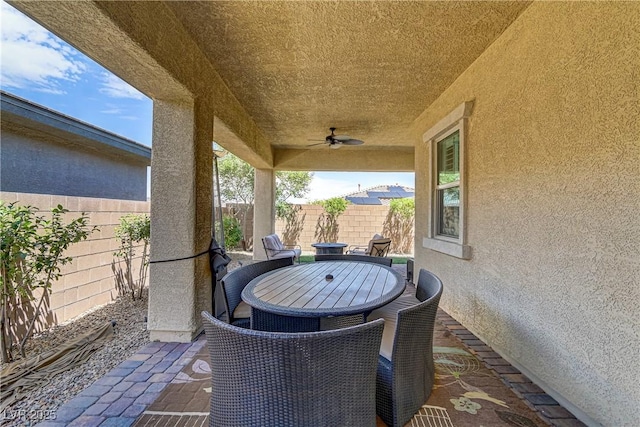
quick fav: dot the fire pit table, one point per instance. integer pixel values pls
(329, 248)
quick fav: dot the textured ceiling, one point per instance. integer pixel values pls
(367, 68)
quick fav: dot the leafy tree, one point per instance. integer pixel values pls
(290, 184)
(31, 254)
(133, 230)
(237, 186)
(236, 180)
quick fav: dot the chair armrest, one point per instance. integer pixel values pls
(357, 249)
(295, 249)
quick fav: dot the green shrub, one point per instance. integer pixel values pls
(232, 231)
(404, 208)
(133, 230)
(399, 224)
(31, 253)
(335, 206)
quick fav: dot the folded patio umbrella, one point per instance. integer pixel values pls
(18, 378)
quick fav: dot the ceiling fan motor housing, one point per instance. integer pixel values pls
(336, 141)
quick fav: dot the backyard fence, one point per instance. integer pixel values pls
(356, 226)
(89, 280)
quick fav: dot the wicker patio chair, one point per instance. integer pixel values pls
(274, 248)
(237, 311)
(292, 379)
(406, 370)
(348, 257)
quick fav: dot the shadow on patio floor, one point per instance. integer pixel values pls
(167, 384)
(466, 393)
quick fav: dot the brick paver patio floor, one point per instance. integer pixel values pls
(166, 384)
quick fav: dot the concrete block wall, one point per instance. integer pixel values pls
(87, 281)
(356, 225)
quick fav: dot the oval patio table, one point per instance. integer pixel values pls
(295, 298)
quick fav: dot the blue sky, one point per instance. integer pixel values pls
(42, 68)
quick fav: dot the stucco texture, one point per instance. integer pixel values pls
(553, 187)
(29, 162)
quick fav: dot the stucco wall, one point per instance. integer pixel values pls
(28, 164)
(553, 180)
(88, 280)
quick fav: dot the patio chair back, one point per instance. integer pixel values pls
(405, 382)
(236, 280)
(281, 379)
(379, 247)
(347, 257)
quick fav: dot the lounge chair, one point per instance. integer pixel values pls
(377, 246)
(274, 248)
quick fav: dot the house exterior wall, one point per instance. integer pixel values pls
(553, 187)
(88, 280)
(28, 164)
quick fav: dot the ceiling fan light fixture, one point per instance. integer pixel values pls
(335, 141)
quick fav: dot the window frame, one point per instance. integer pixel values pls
(455, 121)
(439, 187)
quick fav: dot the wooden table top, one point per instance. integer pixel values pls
(303, 290)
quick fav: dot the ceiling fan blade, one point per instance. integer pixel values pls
(342, 138)
(319, 143)
(352, 142)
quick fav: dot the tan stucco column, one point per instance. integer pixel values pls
(181, 180)
(263, 209)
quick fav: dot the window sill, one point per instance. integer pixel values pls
(449, 248)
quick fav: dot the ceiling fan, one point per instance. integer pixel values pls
(337, 141)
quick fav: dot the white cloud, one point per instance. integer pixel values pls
(51, 91)
(325, 188)
(112, 111)
(115, 87)
(33, 57)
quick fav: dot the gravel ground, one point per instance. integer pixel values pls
(130, 335)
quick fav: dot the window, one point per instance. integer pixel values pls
(446, 143)
(448, 186)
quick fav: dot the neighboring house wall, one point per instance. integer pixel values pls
(46, 152)
(553, 186)
(31, 165)
(88, 280)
